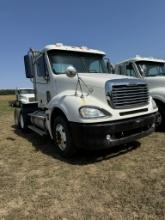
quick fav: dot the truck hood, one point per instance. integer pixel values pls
(99, 79)
(27, 95)
(155, 82)
(94, 82)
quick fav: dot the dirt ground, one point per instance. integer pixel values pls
(118, 184)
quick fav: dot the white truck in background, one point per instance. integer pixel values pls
(24, 95)
(80, 104)
(153, 72)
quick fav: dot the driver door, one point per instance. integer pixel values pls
(42, 82)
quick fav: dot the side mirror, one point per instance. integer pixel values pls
(110, 68)
(28, 66)
(71, 71)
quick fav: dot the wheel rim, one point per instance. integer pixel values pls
(21, 122)
(61, 138)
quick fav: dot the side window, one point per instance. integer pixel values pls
(130, 70)
(41, 66)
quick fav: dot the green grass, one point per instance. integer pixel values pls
(5, 108)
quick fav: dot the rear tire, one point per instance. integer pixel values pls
(23, 122)
(16, 118)
(62, 137)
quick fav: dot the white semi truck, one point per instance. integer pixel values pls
(24, 95)
(153, 71)
(80, 104)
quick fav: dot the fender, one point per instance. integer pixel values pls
(69, 105)
(158, 94)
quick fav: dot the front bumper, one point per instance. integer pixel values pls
(110, 134)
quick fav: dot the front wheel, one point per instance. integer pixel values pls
(62, 137)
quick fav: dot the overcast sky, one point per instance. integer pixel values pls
(122, 28)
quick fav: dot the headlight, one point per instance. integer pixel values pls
(154, 104)
(93, 112)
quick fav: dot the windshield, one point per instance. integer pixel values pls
(27, 91)
(150, 68)
(83, 62)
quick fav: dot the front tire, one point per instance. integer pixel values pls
(62, 137)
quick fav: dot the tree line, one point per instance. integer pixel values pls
(7, 91)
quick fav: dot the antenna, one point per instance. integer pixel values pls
(79, 83)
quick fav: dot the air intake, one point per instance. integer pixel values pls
(126, 93)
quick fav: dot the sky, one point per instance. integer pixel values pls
(121, 28)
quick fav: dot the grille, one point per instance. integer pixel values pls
(126, 93)
(31, 99)
(129, 95)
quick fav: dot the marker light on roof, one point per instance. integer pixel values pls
(59, 44)
(84, 47)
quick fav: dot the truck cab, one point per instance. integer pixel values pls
(79, 104)
(153, 72)
(24, 95)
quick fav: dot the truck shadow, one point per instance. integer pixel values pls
(83, 157)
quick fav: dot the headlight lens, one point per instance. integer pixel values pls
(154, 104)
(93, 112)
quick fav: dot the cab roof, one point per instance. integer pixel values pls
(140, 58)
(60, 46)
(24, 88)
